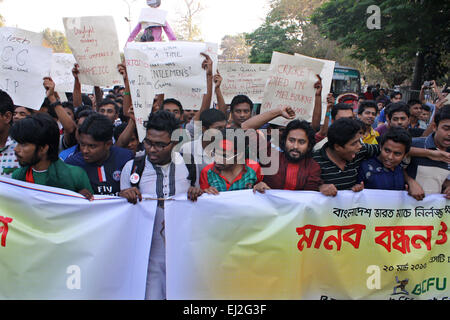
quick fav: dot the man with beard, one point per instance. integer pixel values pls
(297, 170)
(37, 139)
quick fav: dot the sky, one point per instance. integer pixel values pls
(219, 18)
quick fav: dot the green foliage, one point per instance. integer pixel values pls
(407, 27)
(56, 40)
(234, 48)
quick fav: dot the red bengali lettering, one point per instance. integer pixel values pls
(4, 229)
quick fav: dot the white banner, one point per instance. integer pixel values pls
(247, 79)
(95, 46)
(57, 245)
(23, 67)
(374, 244)
(62, 65)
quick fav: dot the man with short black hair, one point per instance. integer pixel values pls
(37, 139)
(161, 174)
(173, 106)
(110, 109)
(102, 161)
(432, 175)
(241, 110)
(340, 158)
(8, 160)
(415, 110)
(367, 113)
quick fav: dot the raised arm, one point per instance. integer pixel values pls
(66, 121)
(317, 111)
(76, 97)
(206, 101)
(126, 95)
(221, 105)
(259, 120)
(330, 103)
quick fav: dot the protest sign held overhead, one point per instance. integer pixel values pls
(291, 83)
(95, 46)
(61, 73)
(23, 67)
(246, 79)
(21, 36)
(327, 76)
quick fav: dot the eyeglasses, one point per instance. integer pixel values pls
(157, 145)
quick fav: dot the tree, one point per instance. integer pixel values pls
(410, 30)
(188, 28)
(56, 40)
(234, 48)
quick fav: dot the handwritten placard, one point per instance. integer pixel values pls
(152, 17)
(61, 73)
(142, 93)
(327, 76)
(95, 46)
(246, 79)
(21, 36)
(193, 100)
(291, 83)
(23, 68)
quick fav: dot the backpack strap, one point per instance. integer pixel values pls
(192, 169)
(137, 168)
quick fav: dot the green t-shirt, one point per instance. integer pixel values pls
(59, 175)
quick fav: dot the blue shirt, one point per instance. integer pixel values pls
(376, 176)
(63, 155)
(105, 179)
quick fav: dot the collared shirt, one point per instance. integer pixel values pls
(8, 160)
(159, 181)
(247, 178)
(347, 178)
(430, 174)
(371, 137)
(376, 176)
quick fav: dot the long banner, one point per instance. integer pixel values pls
(57, 245)
(302, 245)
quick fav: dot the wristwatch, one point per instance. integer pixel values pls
(54, 104)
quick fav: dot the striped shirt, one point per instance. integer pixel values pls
(347, 178)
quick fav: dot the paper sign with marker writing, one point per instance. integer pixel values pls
(21, 36)
(246, 79)
(152, 17)
(171, 65)
(95, 46)
(291, 83)
(142, 94)
(62, 64)
(327, 77)
(189, 99)
(23, 68)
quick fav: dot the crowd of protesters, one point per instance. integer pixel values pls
(90, 145)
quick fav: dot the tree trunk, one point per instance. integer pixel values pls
(418, 71)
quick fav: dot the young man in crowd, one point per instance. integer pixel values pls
(160, 174)
(37, 152)
(102, 161)
(415, 111)
(211, 119)
(338, 111)
(367, 113)
(340, 158)
(231, 169)
(241, 110)
(384, 171)
(21, 113)
(432, 175)
(110, 109)
(296, 168)
(8, 160)
(173, 106)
